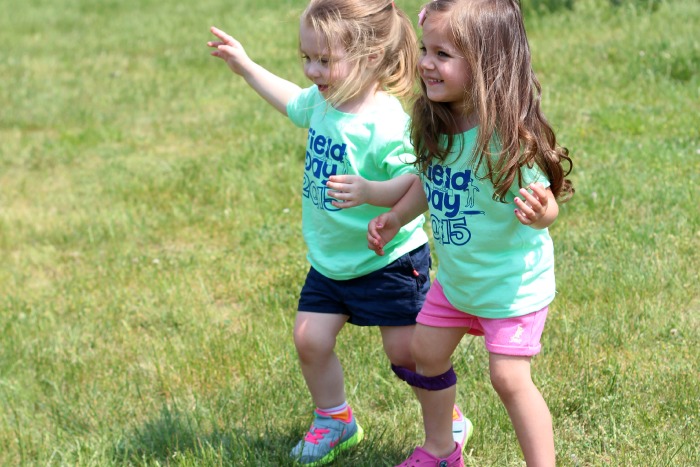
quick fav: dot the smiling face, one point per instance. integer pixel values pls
(327, 68)
(445, 73)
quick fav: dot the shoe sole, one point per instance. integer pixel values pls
(468, 429)
(347, 444)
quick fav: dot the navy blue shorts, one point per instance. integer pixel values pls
(391, 296)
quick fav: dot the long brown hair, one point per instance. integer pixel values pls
(362, 28)
(505, 94)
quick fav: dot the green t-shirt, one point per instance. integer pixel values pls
(372, 144)
(490, 265)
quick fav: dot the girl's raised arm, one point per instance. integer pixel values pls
(275, 90)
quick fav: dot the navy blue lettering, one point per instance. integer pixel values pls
(446, 202)
(319, 144)
(460, 180)
(443, 177)
(338, 151)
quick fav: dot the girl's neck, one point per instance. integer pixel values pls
(467, 122)
(367, 99)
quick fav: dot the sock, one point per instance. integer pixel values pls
(341, 412)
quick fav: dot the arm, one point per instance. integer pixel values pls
(538, 209)
(275, 90)
(353, 190)
(383, 228)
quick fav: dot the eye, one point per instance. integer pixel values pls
(443, 54)
(324, 61)
(305, 57)
(422, 50)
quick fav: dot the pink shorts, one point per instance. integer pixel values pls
(518, 336)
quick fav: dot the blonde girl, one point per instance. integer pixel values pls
(360, 55)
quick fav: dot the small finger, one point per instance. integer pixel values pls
(345, 204)
(522, 218)
(528, 197)
(538, 189)
(335, 186)
(217, 32)
(339, 195)
(525, 209)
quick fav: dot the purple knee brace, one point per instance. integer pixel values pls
(431, 383)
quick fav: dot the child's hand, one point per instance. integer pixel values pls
(381, 230)
(229, 50)
(532, 208)
(350, 190)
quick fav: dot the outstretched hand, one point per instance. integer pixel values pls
(229, 50)
(349, 190)
(533, 205)
(381, 230)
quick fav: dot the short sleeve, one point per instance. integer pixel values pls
(301, 107)
(530, 175)
(398, 156)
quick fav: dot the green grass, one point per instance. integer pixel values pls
(151, 256)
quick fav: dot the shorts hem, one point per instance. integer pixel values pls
(392, 324)
(513, 351)
(362, 323)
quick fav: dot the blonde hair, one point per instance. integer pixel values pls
(363, 28)
(505, 94)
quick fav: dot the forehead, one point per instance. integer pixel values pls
(436, 30)
(312, 42)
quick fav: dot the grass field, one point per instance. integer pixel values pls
(151, 256)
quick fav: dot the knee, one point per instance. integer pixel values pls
(400, 355)
(428, 360)
(311, 345)
(506, 385)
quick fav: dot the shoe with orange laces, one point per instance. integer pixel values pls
(462, 427)
(325, 439)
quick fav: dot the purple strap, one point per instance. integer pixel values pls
(431, 383)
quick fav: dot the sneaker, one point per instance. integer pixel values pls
(325, 439)
(422, 458)
(462, 427)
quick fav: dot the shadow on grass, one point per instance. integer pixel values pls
(176, 437)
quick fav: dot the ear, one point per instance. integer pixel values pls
(375, 58)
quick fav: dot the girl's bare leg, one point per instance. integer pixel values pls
(432, 349)
(526, 407)
(315, 337)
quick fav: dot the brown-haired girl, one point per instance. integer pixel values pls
(491, 173)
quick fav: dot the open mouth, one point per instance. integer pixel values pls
(431, 81)
(322, 87)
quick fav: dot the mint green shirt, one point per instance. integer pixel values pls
(372, 144)
(490, 265)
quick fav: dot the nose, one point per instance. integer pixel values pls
(425, 63)
(312, 70)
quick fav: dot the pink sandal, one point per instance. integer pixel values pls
(422, 458)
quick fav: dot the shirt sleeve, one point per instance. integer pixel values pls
(398, 157)
(301, 107)
(530, 175)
